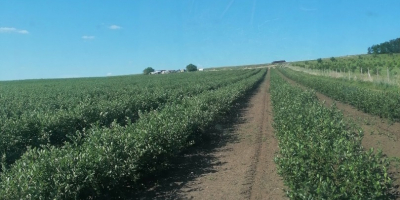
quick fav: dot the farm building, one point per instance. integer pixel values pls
(157, 72)
(164, 71)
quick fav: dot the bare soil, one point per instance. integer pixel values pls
(236, 163)
(379, 133)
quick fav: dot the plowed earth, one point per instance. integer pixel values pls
(237, 162)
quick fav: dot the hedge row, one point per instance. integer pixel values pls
(320, 157)
(40, 127)
(380, 103)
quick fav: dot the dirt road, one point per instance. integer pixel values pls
(237, 163)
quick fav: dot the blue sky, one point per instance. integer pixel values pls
(75, 38)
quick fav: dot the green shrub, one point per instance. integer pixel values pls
(320, 157)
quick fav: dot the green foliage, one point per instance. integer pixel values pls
(148, 70)
(381, 103)
(100, 161)
(319, 60)
(333, 59)
(45, 112)
(389, 47)
(354, 63)
(320, 157)
(191, 68)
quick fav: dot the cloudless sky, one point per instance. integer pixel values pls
(77, 38)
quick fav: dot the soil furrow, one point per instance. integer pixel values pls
(237, 162)
(249, 170)
(264, 186)
(254, 167)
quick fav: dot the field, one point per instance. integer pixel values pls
(88, 137)
(381, 69)
(240, 133)
(336, 145)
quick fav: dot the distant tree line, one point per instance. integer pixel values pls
(392, 46)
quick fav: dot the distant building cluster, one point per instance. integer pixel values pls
(168, 71)
(171, 71)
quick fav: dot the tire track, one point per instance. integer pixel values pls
(267, 184)
(255, 164)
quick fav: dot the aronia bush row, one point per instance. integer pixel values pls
(106, 160)
(320, 157)
(19, 97)
(383, 104)
(37, 128)
(22, 101)
(79, 107)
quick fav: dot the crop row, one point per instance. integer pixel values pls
(53, 96)
(109, 159)
(39, 127)
(321, 157)
(18, 97)
(381, 103)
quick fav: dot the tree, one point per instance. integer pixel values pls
(333, 59)
(392, 46)
(369, 50)
(191, 68)
(148, 70)
(319, 60)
